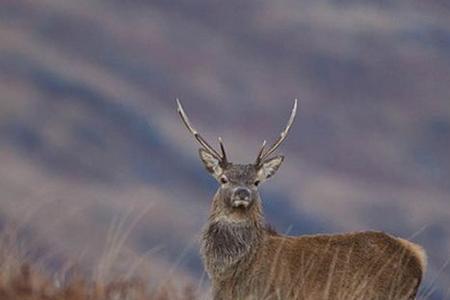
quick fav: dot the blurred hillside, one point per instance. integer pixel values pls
(93, 156)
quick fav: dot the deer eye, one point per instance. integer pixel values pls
(223, 179)
(256, 183)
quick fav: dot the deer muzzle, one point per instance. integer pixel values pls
(241, 197)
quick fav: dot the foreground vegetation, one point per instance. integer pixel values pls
(22, 279)
(24, 283)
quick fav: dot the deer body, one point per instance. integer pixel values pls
(247, 260)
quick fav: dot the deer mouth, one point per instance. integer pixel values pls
(239, 203)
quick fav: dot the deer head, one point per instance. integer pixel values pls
(237, 198)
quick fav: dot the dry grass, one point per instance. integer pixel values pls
(21, 279)
(25, 283)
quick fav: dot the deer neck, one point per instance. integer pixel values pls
(227, 242)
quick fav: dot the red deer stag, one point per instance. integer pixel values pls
(247, 260)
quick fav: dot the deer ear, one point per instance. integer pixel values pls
(269, 167)
(212, 164)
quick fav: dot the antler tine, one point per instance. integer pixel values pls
(194, 132)
(258, 158)
(283, 134)
(222, 148)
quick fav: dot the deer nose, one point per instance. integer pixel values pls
(242, 194)
(241, 197)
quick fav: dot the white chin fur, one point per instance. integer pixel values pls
(242, 203)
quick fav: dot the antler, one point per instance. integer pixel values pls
(262, 155)
(221, 157)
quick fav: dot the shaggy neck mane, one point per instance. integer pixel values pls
(227, 243)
